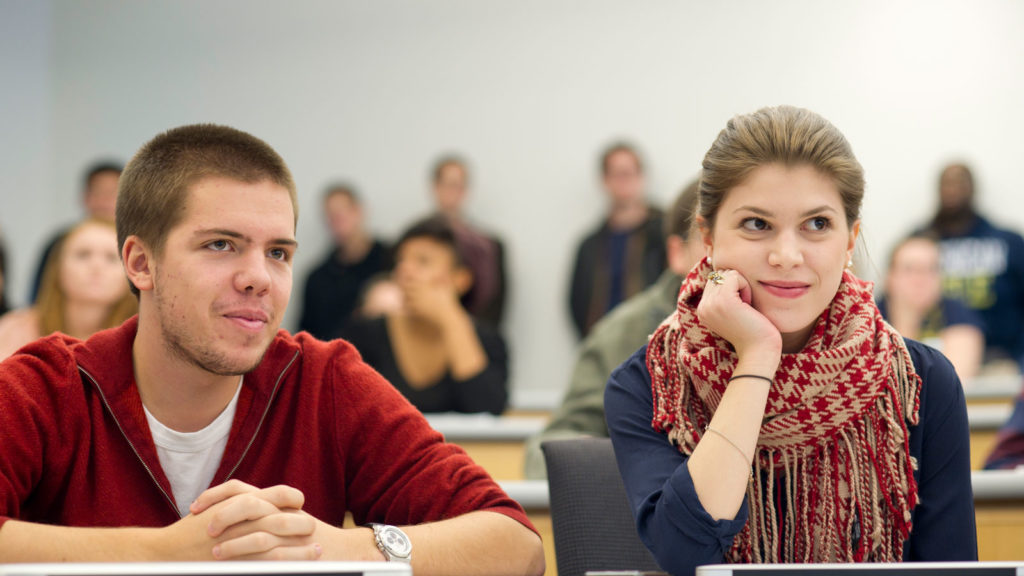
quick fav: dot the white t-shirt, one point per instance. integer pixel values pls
(190, 459)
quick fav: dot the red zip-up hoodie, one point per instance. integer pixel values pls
(76, 450)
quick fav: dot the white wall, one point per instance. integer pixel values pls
(530, 91)
(29, 203)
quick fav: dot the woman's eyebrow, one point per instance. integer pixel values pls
(763, 212)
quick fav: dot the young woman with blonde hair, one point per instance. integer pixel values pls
(83, 290)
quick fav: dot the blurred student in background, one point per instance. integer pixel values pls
(333, 288)
(83, 290)
(626, 253)
(482, 252)
(982, 265)
(432, 350)
(619, 334)
(913, 303)
(99, 194)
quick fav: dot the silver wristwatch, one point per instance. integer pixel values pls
(392, 543)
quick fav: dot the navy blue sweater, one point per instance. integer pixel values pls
(984, 269)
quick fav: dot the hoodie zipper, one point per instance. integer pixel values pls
(106, 404)
(263, 417)
(252, 439)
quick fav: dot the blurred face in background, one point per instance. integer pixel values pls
(450, 189)
(344, 218)
(101, 195)
(428, 273)
(623, 178)
(90, 267)
(424, 262)
(915, 275)
(956, 191)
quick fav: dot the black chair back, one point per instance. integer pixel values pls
(593, 526)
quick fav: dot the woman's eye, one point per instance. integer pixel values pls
(819, 223)
(219, 245)
(754, 224)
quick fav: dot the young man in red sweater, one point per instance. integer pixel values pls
(200, 431)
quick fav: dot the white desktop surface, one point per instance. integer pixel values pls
(897, 569)
(988, 416)
(207, 568)
(993, 386)
(986, 484)
(530, 494)
(998, 484)
(485, 427)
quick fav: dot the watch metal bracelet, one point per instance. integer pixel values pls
(392, 542)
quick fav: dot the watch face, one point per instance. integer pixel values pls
(396, 541)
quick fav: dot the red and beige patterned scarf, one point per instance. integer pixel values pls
(834, 476)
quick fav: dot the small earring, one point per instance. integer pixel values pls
(849, 263)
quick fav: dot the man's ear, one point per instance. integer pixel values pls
(138, 263)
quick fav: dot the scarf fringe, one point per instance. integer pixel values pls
(814, 507)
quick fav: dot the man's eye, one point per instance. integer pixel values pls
(754, 224)
(219, 245)
(279, 254)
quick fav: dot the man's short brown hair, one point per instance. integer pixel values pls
(154, 185)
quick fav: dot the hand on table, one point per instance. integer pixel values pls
(237, 521)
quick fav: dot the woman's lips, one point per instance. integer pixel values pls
(785, 289)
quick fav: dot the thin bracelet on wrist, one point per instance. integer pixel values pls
(746, 460)
(758, 376)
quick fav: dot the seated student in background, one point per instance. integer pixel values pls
(982, 266)
(913, 303)
(616, 336)
(83, 290)
(483, 252)
(432, 350)
(200, 431)
(333, 288)
(774, 417)
(99, 195)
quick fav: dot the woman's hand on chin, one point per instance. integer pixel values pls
(725, 309)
